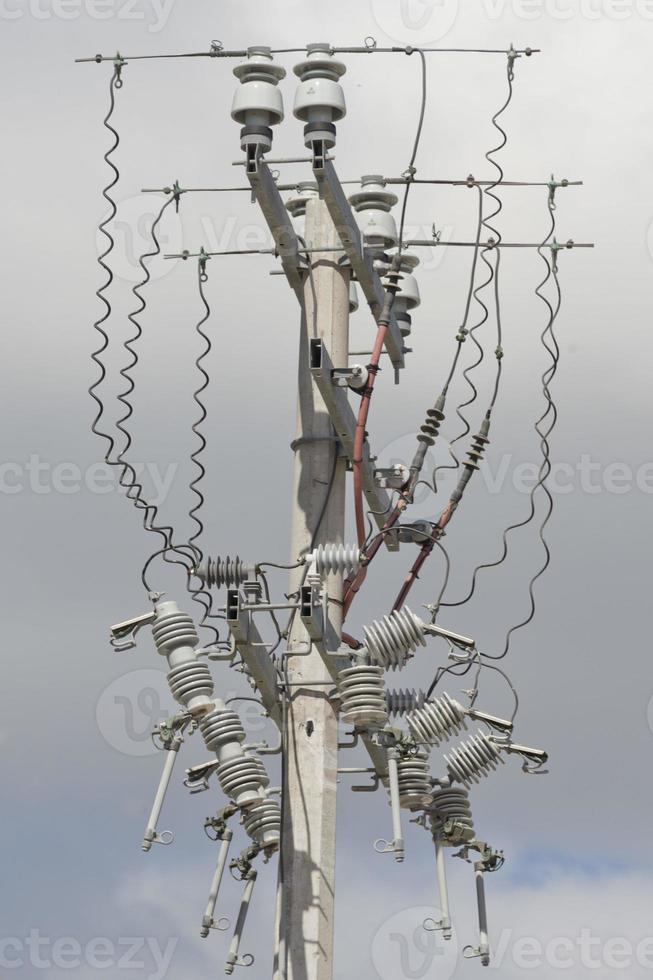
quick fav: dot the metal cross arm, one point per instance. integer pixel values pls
(344, 422)
(361, 262)
(256, 658)
(277, 219)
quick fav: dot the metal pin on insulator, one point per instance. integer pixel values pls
(473, 759)
(414, 781)
(362, 695)
(228, 572)
(400, 702)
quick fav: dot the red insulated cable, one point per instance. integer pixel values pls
(359, 437)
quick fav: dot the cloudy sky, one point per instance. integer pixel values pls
(79, 774)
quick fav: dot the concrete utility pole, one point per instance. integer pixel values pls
(307, 866)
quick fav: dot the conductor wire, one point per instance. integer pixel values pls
(545, 467)
(98, 326)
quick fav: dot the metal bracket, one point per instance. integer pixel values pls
(266, 193)
(362, 263)
(344, 422)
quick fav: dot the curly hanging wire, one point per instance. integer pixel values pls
(98, 326)
(475, 293)
(128, 478)
(543, 432)
(201, 595)
(550, 409)
(461, 336)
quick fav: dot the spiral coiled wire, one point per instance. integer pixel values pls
(451, 804)
(437, 720)
(362, 695)
(545, 467)
(400, 701)
(391, 641)
(473, 759)
(414, 781)
(98, 326)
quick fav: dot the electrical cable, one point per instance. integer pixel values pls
(550, 407)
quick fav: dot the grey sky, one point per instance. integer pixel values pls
(575, 840)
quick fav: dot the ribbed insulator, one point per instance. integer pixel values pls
(475, 454)
(391, 640)
(334, 558)
(172, 630)
(362, 694)
(190, 680)
(229, 572)
(450, 804)
(400, 702)
(437, 720)
(473, 759)
(262, 822)
(429, 431)
(220, 727)
(414, 781)
(243, 778)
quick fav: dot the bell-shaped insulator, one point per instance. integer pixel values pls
(407, 297)
(319, 99)
(306, 189)
(373, 203)
(353, 297)
(257, 103)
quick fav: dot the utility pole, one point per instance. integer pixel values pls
(308, 843)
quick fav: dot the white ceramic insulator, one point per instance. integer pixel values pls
(329, 559)
(391, 641)
(362, 694)
(437, 720)
(262, 822)
(473, 759)
(175, 638)
(414, 782)
(451, 804)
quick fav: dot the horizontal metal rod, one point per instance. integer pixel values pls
(220, 53)
(255, 251)
(429, 243)
(243, 163)
(387, 180)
